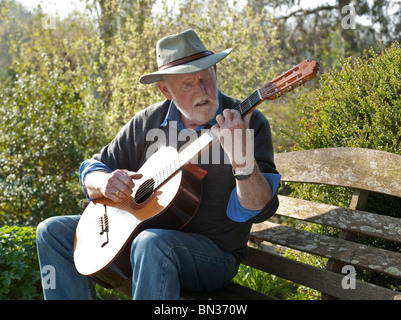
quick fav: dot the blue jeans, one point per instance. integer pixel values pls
(163, 262)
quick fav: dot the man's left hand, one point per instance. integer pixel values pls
(235, 137)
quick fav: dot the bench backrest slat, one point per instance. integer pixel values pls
(355, 168)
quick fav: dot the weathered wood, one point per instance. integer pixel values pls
(355, 168)
(375, 225)
(359, 199)
(315, 278)
(358, 202)
(359, 255)
(126, 288)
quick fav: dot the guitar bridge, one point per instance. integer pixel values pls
(103, 224)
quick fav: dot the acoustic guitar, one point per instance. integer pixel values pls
(167, 196)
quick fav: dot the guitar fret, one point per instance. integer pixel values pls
(256, 98)
(248, 104)
(259, 94)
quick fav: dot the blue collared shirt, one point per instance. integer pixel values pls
(234, 209)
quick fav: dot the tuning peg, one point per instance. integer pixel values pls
(283, 98)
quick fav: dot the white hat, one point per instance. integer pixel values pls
(180, 54)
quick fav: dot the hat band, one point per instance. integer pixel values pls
(186, 59)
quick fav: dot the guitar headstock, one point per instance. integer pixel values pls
(289, 80)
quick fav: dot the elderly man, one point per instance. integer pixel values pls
(205, 254)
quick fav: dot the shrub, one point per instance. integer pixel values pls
(19, 267)
(49, 125)
(357, 105)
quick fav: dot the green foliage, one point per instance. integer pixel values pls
(110, 294)
(272, 285)
(40, 152)
(19, 267)
(357, 105)
(48, 126)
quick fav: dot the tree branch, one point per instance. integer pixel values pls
(303, 12)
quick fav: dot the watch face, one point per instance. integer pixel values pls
(242, 176)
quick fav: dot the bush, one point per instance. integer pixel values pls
(19, 267)
(357, 105)
(49, 125)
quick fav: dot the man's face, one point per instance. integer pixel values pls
(194, 94)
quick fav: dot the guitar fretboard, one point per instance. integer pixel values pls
(250, 103)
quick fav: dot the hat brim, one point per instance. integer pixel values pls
(190, 67)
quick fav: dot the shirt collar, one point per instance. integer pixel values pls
(174, 115)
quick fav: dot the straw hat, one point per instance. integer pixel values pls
(180, 54)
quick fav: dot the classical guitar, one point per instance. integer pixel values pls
(167, 196)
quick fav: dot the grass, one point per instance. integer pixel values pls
(273, 286)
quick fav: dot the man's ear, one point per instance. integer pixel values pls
(163, 88)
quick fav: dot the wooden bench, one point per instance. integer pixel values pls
(362, 170)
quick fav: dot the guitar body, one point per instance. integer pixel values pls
(105, 256)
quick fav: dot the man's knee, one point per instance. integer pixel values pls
(45, 228)
(54, 227)
(147, 238)
(152, 241)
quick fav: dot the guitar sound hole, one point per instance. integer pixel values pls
(144, 191)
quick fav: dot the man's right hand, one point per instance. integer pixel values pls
(116, 185)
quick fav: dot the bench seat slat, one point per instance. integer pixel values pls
(316, 278)
(375, 225)
(359, 255)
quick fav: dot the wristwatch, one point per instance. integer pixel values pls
(243, 174)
